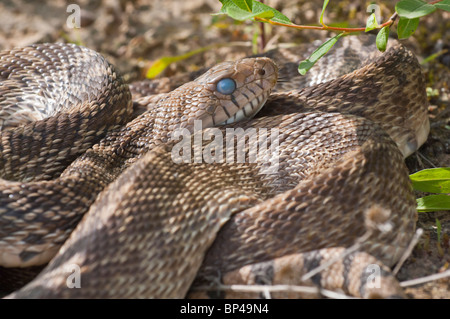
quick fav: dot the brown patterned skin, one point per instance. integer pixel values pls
(39, 138)
(161, 226)
(52, 208)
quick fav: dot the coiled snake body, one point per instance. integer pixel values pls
(154, 227)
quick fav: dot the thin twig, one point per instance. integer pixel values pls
(267, 294)
(425, 279)
(335, 295)
(265, 289)
(260, 288)
(425, 158)
(346, 252)
(408, 250)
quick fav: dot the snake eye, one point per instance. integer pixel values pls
(226, 86)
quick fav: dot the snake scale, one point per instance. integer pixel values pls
(89, 178)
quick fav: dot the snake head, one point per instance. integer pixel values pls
(238, 89)
(226, 93)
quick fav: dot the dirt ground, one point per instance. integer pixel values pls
(132, 34)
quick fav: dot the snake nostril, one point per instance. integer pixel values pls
(261, 71)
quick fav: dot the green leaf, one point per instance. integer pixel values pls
(158, 66)
(371, 22)
(406, 27)
(245, 5)
(277, 15)
(438, 230)
(317, 54)
(248, 9)
(443, 5)
(433, 56)
(382, 38)
(433, 180)
(412, 9)
(161, 64)
(237, 9)
(325, 3)
(433, 203)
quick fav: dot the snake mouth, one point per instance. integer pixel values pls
(249, 110)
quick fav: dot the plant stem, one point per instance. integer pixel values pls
(325, 27)
(262, 42)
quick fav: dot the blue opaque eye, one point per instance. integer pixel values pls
(226, 86)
